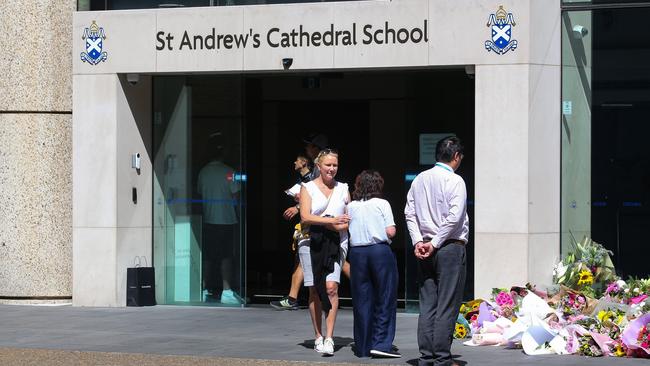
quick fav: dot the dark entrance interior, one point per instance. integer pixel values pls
(375, 120)
(620, 158)
(251, 128)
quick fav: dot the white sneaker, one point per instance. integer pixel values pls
(318, 345)
(328, 347)
(229, 297)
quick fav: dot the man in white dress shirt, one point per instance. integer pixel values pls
(437, 221)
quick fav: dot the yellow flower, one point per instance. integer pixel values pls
(586, 277)
(605, 315)
(620, 319)
(463, 308)
(618, 350)
(460, 332)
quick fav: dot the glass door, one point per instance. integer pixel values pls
(198, 185)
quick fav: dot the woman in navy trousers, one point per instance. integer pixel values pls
(373, 268)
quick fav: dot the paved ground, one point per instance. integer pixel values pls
(165, 335)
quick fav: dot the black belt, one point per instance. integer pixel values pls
(453, 241)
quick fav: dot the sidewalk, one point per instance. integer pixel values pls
(212, 336)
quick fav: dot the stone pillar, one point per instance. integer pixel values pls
(35, 151)
(517, 215)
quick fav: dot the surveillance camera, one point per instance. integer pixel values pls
(579, 31)
(470, 70)
(132, 78)
(287, 62)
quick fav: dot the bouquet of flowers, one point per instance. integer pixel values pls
(469, 311)
(589, 268)
(587, 346)
(572, 303)
(636, 335)
(643, 339)
(634, 291)
(618, 349)
(617, 324)
(461, 330)
(507, 301)
(610, 322)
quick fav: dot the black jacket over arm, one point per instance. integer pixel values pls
(324, 248)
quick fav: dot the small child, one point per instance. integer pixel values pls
(373, 268)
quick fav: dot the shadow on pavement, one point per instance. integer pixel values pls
(339, 342)
(414, 361)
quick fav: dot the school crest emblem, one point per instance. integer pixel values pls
(94, 42)
(501, 24)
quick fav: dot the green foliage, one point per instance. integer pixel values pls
(588, 268)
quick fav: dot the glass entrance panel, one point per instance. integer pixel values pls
(605, 107)
(198, 185)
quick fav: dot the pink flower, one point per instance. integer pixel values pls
(503, 298)
(612, 287)
(638, 299)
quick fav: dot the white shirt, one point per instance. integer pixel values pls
(436, 206)
(217, 186)
(368, 222)
(334, 206)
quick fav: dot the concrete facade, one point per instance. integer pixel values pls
(517, 184)
(35, 150)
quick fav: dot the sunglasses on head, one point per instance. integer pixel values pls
(329, 151)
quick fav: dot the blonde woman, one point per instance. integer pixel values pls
(323, 207)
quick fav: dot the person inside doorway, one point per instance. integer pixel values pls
(302, 165)
(219, 192)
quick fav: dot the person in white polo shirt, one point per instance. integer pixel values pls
(373, 268)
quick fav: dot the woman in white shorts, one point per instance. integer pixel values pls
(323, 208)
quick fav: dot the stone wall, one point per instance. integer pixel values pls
(35, 149)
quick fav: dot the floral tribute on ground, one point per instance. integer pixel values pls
(590, 312)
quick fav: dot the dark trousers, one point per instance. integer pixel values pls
(441, 294)
(373, 279)
(218, 245)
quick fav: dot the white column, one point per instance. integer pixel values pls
(94, 182)
(517, 213)
(108, 228)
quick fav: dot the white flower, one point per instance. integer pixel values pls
(636, 289)
(560, 270)
(621, 283)
(627, 290)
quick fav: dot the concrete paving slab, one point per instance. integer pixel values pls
(207, 335)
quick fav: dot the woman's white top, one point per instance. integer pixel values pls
(368, 221)
(335, 206)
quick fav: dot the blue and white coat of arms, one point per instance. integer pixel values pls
(501, 23)
(94, 37)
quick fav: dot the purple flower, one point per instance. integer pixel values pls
(612, 287)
